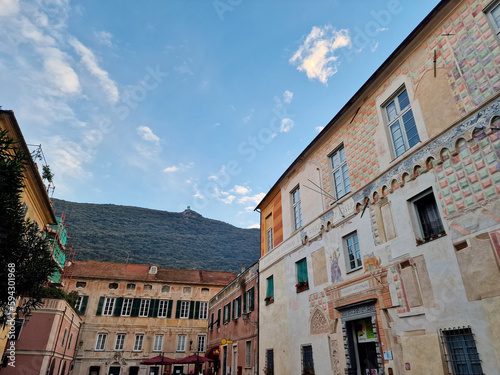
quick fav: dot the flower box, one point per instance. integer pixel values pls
(268, 300)
(301, 286)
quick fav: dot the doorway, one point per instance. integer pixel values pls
(235, 361)
(363, 341)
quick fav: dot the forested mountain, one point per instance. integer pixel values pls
(185, 240)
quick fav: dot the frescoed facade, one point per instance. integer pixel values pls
(134, 312)
(233, 326)
(387, 259)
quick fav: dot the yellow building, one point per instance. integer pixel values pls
(35, 197)
(133, 312)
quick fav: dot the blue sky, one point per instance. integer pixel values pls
(176, 103)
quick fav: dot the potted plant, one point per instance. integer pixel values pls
(268, 371)
(441, 233)
(302, 285)
(268, 300)
(419, 241)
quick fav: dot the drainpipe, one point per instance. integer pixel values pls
(65, 346)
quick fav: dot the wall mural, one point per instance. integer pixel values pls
(335, 269)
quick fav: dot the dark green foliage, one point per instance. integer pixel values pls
(57, 293)
(25, 261)
(184, 240)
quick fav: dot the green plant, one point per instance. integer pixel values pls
(268, 371)
(47, 173)
(302, 284)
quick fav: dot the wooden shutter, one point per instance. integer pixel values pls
(251, 296)
(218, 318)
(169, 308)
(270, 287)
(302, 270)
(245, 307)
(191, 310)
(153, 308)
(84, 305)
(99, 306)
(118, 306)
(197, 310)
(135, 307)
(178, 310)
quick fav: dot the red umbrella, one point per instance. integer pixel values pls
(194, 359)
(158, 360)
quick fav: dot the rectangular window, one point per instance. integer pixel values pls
(401, 123)
(427, 213)
(301, 267)
(248, 300)
(144, 308)
(248, 354)
(139, 340)
(269, 232)
(460, 351)
(109, 304)
(227, 313)
(203, 310)
(237, 307)
(127, 306)
(162, 308)
(351, 245)
(297, 209)
(270, 287)
(120, 341)
(184, 309)
(101, 341)
(493, 13)
(201, 343)
(270, 360)
(79, 303)
(64, 336)
(69, 342)
(218, 317)
(340, 173)
(181, 343)
(158, 343)
(307, 360)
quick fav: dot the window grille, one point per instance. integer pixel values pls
(307, 360)
(460, 351)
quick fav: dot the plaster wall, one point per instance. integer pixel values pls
(420, 353)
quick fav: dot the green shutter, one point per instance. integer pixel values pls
(245, 301)
(84, 305)
(169, 308)
(251, 296)
(191, 310)
(302, 270)
(238, 310)
(99, 306)
(197, 310)
(178, 310)
(153, 308)
(270, 287)
(218, 318)
(118, 306)
(136, 305)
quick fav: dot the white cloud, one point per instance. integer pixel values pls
(287, 96)
(9, 7)
(171, 169)
(254, 199)
(374, 47)
(228, 199)
(316, 55)
(147, 134)
(104, 38)
(242, 190)
(286, 125)
(253, 226)
(249, 208)
(319, 128)
(64, 76)
(216, 124)
(90, 62)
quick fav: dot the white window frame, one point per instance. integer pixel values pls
(100, 343)
(158, 343)
(398, 121)
(351, 248)
(79, 303)
(127, 307)
(227, 313)
(493, 9)
(338, 160)
(202, 342)
(181, 343)
(108, 306)
(416, 215)
(138, 342)
(296, 208)
(162, 308)
(184, 312)
(269, 238)
(203, 310)
(144, 307)
(119, 342)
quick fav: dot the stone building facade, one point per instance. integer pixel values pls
(134, 312)
(380, 243)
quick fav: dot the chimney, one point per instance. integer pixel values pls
(242, 267)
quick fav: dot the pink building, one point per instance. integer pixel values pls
(46, 344)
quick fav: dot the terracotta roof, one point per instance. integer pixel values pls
(140, 272)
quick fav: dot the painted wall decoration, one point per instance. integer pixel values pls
(335, 269)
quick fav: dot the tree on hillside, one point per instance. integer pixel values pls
(25, 261)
